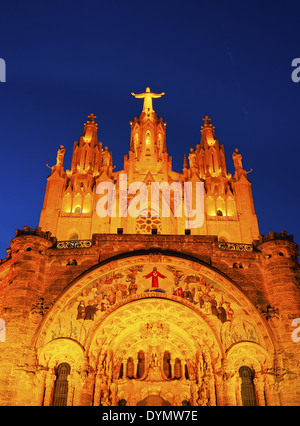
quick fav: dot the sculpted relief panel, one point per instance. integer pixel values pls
(85, 305)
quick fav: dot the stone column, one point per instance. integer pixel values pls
(172, 363)
(97, 390)
(83, 388)
(260, 389)
(113, 391)
(49, 387)
(219, 390)
(71, 388)
(229, 398)
(40, 388)
(272, 396)
(183, 364)
(238, 393)
(212, 391)
(135, 364)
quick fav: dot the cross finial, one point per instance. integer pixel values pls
(206, 120)
(207, 123)
(92, 117)
(91, 120)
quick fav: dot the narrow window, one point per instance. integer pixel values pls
(121, 371)
(122, 403)
(167, 364)
(61, 385)
(141, 364)
(213, 162)
(130, 368)
(186, 372)
(85, 155)
(177, 369)
(247, 387)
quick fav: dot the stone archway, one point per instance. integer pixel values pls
(154, 326)
(153, 401)
(153, 304)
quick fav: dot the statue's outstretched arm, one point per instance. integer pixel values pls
(157, 95)
(141, 95)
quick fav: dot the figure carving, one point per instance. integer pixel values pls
(237, 159)
(155, 274)
(105, 157)
(60, 156)
(270, 312)
(148, 96)
(40, 307)
(192, 158)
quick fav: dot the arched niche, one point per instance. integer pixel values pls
(62, 351)
(87, 203)
(67, 203)
(77, 203)
(154, 326)
(220, 206)
(250, 354)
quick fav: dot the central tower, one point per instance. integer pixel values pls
(70, 206)
(148, 149)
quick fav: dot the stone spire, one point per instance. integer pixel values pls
(211, 154)
(148, 148)
(87, 153)
(90, 130)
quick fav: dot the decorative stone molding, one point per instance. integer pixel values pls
(74, 244)
(235, 246)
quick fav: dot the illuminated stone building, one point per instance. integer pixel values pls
(147, 305)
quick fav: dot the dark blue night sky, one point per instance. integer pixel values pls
(230, 60)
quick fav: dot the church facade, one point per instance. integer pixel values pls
(146, 286)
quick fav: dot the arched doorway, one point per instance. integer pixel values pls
(158, 325)
(153, 401)
(153, 349)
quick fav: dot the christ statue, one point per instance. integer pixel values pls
(155, 274)
(148, 96)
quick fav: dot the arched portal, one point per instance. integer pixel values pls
(140, 345)
(153, 401)
(157, 324)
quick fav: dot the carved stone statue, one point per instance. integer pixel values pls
(148, 96)
(192, 158)
(105, 157)
(237, 159)
(60, 156)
